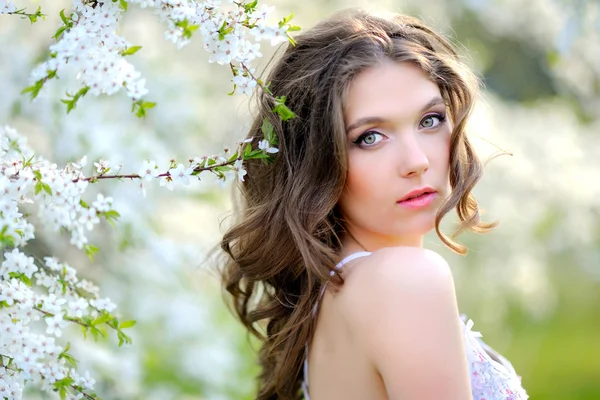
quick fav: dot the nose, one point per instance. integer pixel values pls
(413, 160)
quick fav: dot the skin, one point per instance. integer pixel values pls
(392, 331)
(410, 149)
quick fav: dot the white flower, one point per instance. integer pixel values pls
(137, 89)
(265, 146)
(101, 166)
(81, 163)
(8, 293)
(251, 51)
(167, 181)
(7, 7)
(181, 174)
(53, 304)
(89, 217)
(275, 35)
(244, 84)
(238, 167)
(149, 170)
(15, 261)
(78, 307)
(263, 13)
(102, 203)
(55, 325)
(87, 381)
(103, 304)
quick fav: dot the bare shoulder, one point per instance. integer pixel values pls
(400, 304)
(394, 270)
(398, 282)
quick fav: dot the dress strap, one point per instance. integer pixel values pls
(339, 265)
(349, 258)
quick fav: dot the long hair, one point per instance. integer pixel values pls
(287, 237)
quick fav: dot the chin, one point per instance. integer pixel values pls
(417, 227)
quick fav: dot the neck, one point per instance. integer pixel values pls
(353, 241)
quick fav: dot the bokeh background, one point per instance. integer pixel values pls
(532, 286)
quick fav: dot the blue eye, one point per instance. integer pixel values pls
(368, 139)
(432, 121)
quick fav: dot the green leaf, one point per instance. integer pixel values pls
(123, 338)
(59, 32)
(22, 277)
(123, 4)
(233, 157)
(101, 319)
(233, 91)
(127, 324)
(291, 39)
(250, 6)
(91, 250)
(29, 163)
(261, 155)
(73, 102)
(70, 104)
(131, 51)
(139, 107)
(282, 110)
(67, 357)
(111, 214)
(62, 385)
(34, 89)
(267, 130)
(189, 29)
(6, 241)
(63, 17)
(47, 189)
(113, 323)
(285, 20)
(38, 187)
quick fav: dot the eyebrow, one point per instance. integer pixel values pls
(376, 120)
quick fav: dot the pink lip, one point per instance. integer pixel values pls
(420, 198)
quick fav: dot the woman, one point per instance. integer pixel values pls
(326, 263)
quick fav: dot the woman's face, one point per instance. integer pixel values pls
(398, 143)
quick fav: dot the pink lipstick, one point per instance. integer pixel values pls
(418, 198)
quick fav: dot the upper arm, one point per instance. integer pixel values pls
(407, 317)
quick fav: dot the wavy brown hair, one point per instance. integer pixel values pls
(287, 237)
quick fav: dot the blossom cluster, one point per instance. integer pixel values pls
(89, 44)
(27, 356)
(47, 294)
(26, 178)
(37, 358)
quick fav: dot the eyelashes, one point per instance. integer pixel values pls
(441, 118)
(360, 141)
(371, 137)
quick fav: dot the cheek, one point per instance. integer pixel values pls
(362, 186)
(439, 152)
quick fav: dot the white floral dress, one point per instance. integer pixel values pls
(491, 378)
